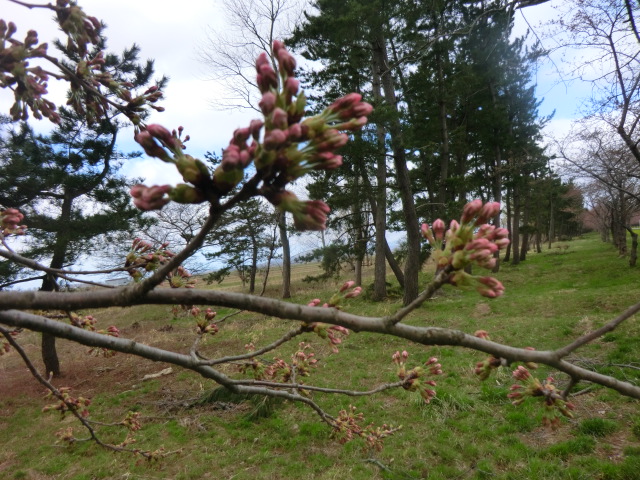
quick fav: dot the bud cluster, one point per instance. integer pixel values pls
(29, 84)
(9, 222)
(282, 147)
(88, 322)
(413, 379)
(529, 386)
(181, 277)
(5, 346)
(67, 403)
(89, 80)
(204, 323)
(143, 257)
(347, 426)
(470, 242)
(347, 290)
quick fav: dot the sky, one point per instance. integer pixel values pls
(172, 35)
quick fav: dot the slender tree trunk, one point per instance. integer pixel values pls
(412, 265)
(515, 227)
(633, 256)
(538, 235)
(507, 253)
(379, 205)
(496, 180)
(525, 222)
(552, 224)
(386, 250)
(359, 243)
(49, 284)
(254, 266)
(286, 255)
(272, 249)
(444, 131)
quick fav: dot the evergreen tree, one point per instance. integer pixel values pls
(67, 184)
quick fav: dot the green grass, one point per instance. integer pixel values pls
(470, 430)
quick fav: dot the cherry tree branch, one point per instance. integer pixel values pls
(287, 311)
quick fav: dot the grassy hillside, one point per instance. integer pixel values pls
(469, 431)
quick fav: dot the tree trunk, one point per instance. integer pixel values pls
(49, 284)
(633, 257)
(379, 205)
(386, 250)
(496, 181)
(515, 227)
(412, 265)
(444, 131)
(507, 253)
(525, 222)
(286, 255)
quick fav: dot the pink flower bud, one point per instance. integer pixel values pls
(347, 285)
(521, 373)
(292, 86)
(274, 139)
(279, 118)
(277, 46)
(488, 211)
(345, 102)
(162, 134)
(361, 109)
(426, 233)
(254, 128)
(438, 229)
(314, 303)
(354, 293)
(470, 210)
(268, 103)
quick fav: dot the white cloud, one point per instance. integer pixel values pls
(168, 32)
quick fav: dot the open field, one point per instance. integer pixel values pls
(469, 431)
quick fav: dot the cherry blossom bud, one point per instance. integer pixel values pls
(279, 118)
(347, 285)
(345, 102)
(294, 132)
(361, 109)
(150, 198)
(314, 303)
(488, 211)
(151, 147)
(438, 229)
(164, 135)
(426, 233)
(274, 138)
(286, 61)
(267, 103)
(481, 334)
(354, 293)
(521, 373)
(254, 127)
(470, 210)
(277, 45)
(291, 86)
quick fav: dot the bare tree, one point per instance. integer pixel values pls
(604, 30)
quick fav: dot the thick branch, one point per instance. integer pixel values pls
(421, 335)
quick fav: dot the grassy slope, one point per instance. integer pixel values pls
(469, 431)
